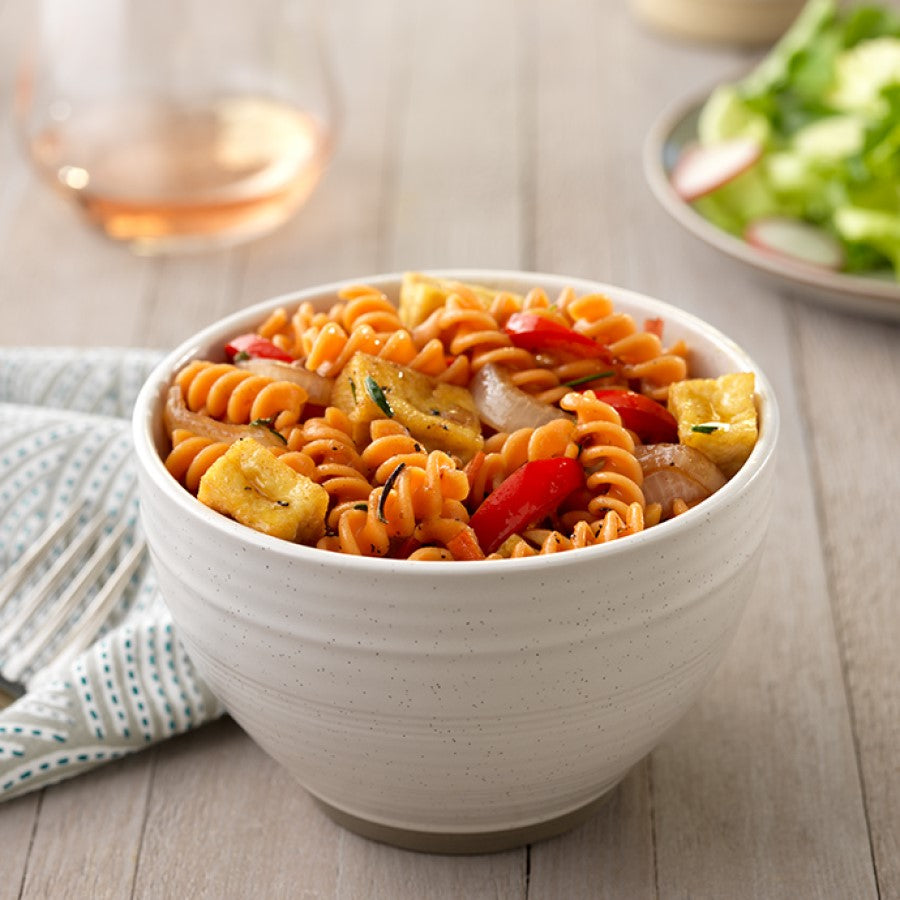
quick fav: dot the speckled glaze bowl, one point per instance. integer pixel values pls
(467, 706)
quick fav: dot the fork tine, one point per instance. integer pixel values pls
(64, 605)
(51, 578)
(22, 567)
(85, 630)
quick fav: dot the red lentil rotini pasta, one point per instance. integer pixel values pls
(461, 422)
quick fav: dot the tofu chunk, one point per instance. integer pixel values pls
(256, 489)
(440, 416)
(718, 417)
(421, 295)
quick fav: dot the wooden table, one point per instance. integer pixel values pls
(508, 134)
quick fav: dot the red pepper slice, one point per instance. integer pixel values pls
(256, 347)
(538, 333)
(649, 420)
(532, 492)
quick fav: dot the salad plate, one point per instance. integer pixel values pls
(675, 130)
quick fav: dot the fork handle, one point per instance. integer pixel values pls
(85, 629)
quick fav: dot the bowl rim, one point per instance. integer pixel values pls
(152, 468)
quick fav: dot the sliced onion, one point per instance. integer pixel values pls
(675, 471)
(505, 407)
(316, 386)
(177, 415)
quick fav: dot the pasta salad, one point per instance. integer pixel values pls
(462, 423)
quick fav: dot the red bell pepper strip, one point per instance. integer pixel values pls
(256, 347)
(649, 420)
(538, 333)
(530, 494)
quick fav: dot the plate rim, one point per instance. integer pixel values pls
(882, 297)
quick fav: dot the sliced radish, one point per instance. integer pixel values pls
(796, 240)
(703, 168)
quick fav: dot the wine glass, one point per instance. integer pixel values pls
(178, 124)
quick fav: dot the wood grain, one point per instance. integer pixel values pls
(223, 821)
(610, 856)
(858, 488)
(17, 823)
(82, 848)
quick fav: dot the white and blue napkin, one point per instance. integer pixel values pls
(65, 438)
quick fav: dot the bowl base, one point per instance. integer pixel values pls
(465, 843)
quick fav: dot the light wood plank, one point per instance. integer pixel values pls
(850, 373)
(456, 198)
(599, 85)
(88, 834)
(226, 822)
(187, 293)
(17, 823)
(611, 856)
(88, 290)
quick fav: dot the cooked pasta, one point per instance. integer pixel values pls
(463, 423)
(223, 391)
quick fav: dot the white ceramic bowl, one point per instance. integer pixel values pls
(463, 706)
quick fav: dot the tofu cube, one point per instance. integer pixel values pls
(440, 416)
(256, 489)
(718, 417)
(421, 295)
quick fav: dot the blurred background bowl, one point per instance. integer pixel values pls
(740, 22)
(470, 706)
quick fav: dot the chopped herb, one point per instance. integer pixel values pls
(387, 489)
(363, 507)
(705, 429)
(353, 390)
(241, 355)
(270, 424)
(435, 412)
(376, 392)
(576, 381)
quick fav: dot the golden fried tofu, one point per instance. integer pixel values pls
(438, 415)
(717, 416)
(421, 295)
(256, 489)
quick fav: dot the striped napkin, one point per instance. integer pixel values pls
(64, 437)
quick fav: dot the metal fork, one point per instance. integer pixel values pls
(59, 600)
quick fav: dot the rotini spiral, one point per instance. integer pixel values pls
(391, 445)
(337, 465)
(424, 502)
(607, 454)
(225, 392)
(191, 456)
